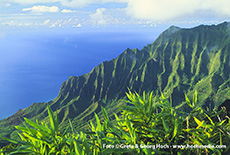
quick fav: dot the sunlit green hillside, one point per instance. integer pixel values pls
(179, 61)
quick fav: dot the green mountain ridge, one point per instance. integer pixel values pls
(179, 61)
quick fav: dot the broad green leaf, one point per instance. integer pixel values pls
(128, 125)
(126, 136)
(52, 121)
(105, 113)
(56, 122)
(159, 101)
(27, 130)
(165, 101)
(31, 137)
(198, 122)
(130, 96)
(43, 149)
(22, 137)
(43, 137)
(31, 131)
(131, 109)
(92, 126)
(140, 100)
(21, 152)
(37, 126)
(188, 101)
(175, 128)
(144, 96)
(195, 98)
(99, 128)
(133, 99)
(150, 106)
(221, 143)
(152, 130)
(11, 140)
(166, 128)
(209, 119)
(220, 123)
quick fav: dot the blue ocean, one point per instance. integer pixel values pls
(34, 64)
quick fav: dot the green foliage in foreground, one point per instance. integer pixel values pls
(144, 127)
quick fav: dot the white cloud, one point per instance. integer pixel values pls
(165, 10)
(217, 7)
(78, 25)
(57, 23)
(32, 1)
(28, 24)
(68, 11)
(64, 23)
(160, 10)
(157, 10)
(67, 21)
(46, 22)
(116, 1)
(7, 4)
(77, 3)
(140, 11)
(99, 17)
(69, 3)
(42, 9)
(4, 4)
(12, 23)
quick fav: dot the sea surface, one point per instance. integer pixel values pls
(34, 64)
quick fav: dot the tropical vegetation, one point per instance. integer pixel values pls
(143, 126)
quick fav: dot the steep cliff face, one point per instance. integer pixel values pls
(194, 59)
(179, 61)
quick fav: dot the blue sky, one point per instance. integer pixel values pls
(28, 29)
(48, 14)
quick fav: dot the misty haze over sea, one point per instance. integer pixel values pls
(34, 65)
